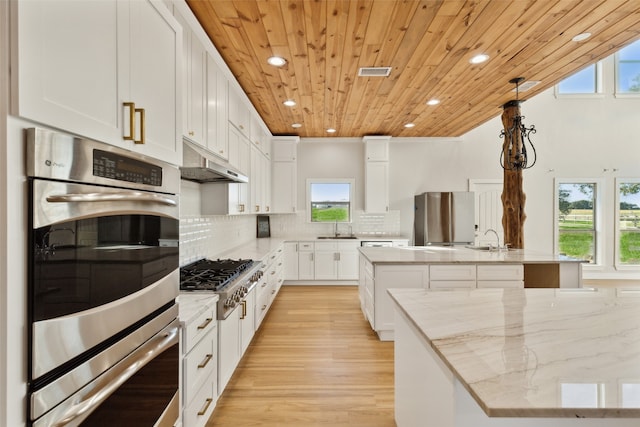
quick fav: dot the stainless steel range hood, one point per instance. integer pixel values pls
(199, 165)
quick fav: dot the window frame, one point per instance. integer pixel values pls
(598, 217)
(352, 184)
(616, 247)
(617, 92)
(599, 89)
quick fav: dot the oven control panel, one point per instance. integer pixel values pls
(115, 166)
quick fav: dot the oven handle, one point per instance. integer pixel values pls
(135, 196)
(118, 375)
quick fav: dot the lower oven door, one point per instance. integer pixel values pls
(134, 382)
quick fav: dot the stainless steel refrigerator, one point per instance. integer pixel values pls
(444, 218)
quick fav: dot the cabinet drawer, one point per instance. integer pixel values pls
(501, 272)
(453, 272)
(199, 364)
(452, 284)
(511, 284)
(326, 246)
(197, 329)
(197, 413)
(305, 246)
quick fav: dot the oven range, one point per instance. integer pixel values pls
(230, 279)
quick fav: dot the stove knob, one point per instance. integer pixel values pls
(229, 303)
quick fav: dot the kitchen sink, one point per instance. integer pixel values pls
(338, 237)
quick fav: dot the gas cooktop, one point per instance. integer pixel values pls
(212, 275)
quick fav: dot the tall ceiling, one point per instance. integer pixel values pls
(428, 44)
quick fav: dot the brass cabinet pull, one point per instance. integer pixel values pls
(132, 120)
(264, 306)
(206, 361)
(205, 324)
(244, 309)
(207, 403)
(257, 208)
(142, 125)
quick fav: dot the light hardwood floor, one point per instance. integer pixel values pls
(314, 362)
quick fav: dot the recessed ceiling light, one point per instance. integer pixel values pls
(331, 130)
(289, 103)
(581, 37)
(409, 125)
(296, 125)
(479, 59)
(276, 61)
(433, 101)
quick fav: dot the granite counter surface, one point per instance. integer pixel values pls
(450, 255)
(536, 352)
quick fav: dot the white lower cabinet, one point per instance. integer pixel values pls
(200, 358)
(306, 261)
(501, 275)
(375, 279)
(290, 258)
(456, 276)
(325, 260)
(235, 334)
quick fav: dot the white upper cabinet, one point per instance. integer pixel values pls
(284, 178)
(376, 185)
(239, 113)
(194, 95)
(78, 63)
(217, 110)
(376, 148)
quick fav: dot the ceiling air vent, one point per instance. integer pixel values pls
(526, 85)
(374, 71)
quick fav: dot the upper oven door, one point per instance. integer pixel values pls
(101, 259)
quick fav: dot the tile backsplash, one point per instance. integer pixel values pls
(210, 236)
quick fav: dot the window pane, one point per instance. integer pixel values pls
(629, 222)
(330, 202)
(576, 234)
(628, 78)
(583, 81)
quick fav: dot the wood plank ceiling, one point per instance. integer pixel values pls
(427, 43)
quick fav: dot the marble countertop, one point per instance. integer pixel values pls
(256, 250)
(192, 305)
(449, 255)
(536, 352)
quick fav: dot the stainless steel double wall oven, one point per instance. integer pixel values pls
(103, 279)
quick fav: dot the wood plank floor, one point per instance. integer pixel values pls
(314, 362)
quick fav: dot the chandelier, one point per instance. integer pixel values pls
(515, 155)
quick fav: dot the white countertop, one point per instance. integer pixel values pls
(192, 305)
(256, 250)
(449, 255)
(536, 352)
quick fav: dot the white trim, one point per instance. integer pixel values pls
(599, 217)
(616, 92)
(599, 89)
(616, 214)
(352, 185)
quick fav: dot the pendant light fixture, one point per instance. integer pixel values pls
(518, 152)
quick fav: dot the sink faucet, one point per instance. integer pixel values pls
(497, 236)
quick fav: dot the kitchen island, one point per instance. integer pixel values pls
(441, 267)
(517, 357)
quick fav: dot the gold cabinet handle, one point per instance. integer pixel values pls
(264, 306)
(205, 323)
(191, 133)
(257, 208)
(244, 309)
(206, 361)
(207, 403)
(132, 120)
(142, 126)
